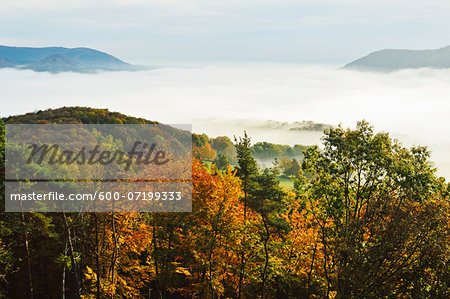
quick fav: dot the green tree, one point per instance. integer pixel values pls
(246, 170)
(266, 198)
(224, 145)
(199, 140)
(6, 255)
(369, 196)
(290, 168)
(222, 162)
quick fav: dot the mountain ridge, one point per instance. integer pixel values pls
(80, 60)
(388, 60)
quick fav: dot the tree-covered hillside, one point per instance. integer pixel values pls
(367, 218)
(75, 115)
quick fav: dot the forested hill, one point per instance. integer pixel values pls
(220, 150)
(75, 115)
(397, 59)
(366, 218)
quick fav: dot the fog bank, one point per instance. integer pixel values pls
(413, 105)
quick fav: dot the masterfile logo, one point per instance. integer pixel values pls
(98, 167)
(140, 153)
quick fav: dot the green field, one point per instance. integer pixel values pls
(286, 182)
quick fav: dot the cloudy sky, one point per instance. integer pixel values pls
(171, 31)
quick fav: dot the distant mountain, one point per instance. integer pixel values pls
(57, 63)
(59, 59)
(392, 60)
(6, 63)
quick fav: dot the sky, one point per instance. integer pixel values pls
(183, 31)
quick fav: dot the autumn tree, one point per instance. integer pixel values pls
(217, 207)
(367, 218)
(369, 196)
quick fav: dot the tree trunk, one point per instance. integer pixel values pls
(72, 258)
(311, 268)
(242, 270)
(28, 259)
(97, 255)
(266, 262)
(325, 262)
(115, 253)
(210, 263)
(64, 275)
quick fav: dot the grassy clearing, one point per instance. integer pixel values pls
(286, 182)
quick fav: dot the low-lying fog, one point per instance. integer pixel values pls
(413, 105)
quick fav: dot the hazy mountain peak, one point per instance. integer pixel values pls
(397, 59)
(60, 59)
(56, 63)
